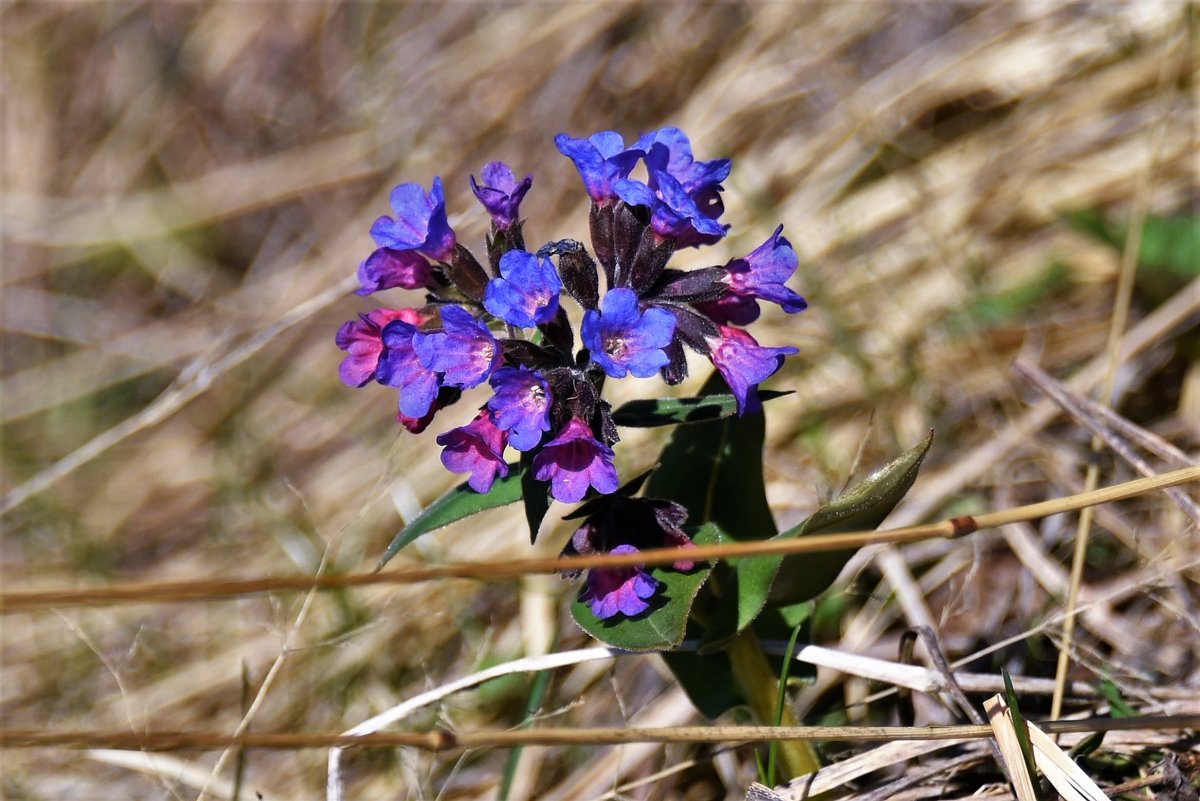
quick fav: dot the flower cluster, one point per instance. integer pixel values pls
(505, 325)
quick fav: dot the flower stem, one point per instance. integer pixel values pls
(760, 686)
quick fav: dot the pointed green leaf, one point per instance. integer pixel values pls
(861, 508)
(535, 495)
(651, 413)
(460, 502)
(715, 469)
(663, 625)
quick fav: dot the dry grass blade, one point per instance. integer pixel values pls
(1004, 727)
(496, 571)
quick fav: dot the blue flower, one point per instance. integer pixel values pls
(500, 194)
(464, 351)
(400, 367)
(476, 448)
(744, 364)
(601, 159)
(623, 339)
(526, 293)
(420, 222)
(386, 268)
(762, 274)
(678, 162)
(674, 213)
(521, 405)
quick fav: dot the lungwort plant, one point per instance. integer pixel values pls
(502, 321)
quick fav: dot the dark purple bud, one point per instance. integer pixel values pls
(600, 224)
(730, 309)
(675, 370)
(559, 334)
(690, 286)
(420, 222)
(693, 328)
(575, 396)
(629, 226)
(387, 269)
(579, 274)
(649, 261)
(527, 354)
(476, 448)
(500, 193)
(467, 274)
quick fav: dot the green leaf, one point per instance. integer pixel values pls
(861, 508)
(460, 502)
(1010, 696)
(535, 495)
(715, 469)
(1169, 244)
(671, 411)
(707, 680)
(664, 624)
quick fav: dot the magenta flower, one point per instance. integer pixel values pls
(500, 193)
(476, 448)
(619, 590)
(574, 461)
(420, 222)
(386, 269)
(744, 364)
(362, 340)
(464, 351)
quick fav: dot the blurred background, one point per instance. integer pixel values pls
(187, 191)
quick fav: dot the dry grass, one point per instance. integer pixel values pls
(187, 187)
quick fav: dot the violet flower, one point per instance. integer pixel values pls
(420, 222)
(521, 405)
(574, 461)
(500, 193)
(744, 364)
(762, 274)
(476, 448)
(622, 339)
(400, 367)
(619, 590)
(464, 351)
